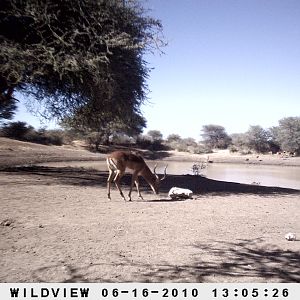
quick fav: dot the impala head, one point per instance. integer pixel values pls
(156, 185)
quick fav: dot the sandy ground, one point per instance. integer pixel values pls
(58, 226)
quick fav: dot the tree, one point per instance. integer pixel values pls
(155, 136)
(190, 141)
(173, 138)
(76, 57)
(8, 105)
(215, 136)
(287, 134)
(257, 139)
(274, 145)
(101, 129)
(239, 140)
(17, 130)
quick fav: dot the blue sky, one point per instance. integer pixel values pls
(233, 63)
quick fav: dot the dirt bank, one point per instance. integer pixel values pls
(13, 152)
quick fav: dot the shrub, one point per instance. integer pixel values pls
(24, 132)
(198, 167)
(146, 142)
(93, 140)
(54, 137)
(246, 152)
(202, 149)
(122, 139)
(16, 130)
(233, 149)
(287, 134)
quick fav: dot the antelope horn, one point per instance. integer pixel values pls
(154, 170)
(165, 173)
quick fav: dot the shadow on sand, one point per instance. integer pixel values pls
(215, 261)
(90, 177)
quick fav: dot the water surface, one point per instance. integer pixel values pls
(280, 176)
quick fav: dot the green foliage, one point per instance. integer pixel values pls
(94, 140)
(215, 136)
(24, 132)
(173, 138)
(238, 141)
(152, 141)
(175, 142)
(100, 130)
(144, 142)
(185, 145)
(122, 139)
(233, 149)
(287, 134)
(155, 136)
(49, 137)
(285, 137)
(274, 145)
(16, 130)
(198, 167)
(8, 105)
(257, 139)
(75, 57)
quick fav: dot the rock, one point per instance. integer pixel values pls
(290, 236)
(177, 193)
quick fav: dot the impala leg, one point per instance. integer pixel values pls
(117, 179)
(133, 180)
(109, 180)
(138, 188)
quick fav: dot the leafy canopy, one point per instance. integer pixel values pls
(215, 136)
(287, 134)
(77, 57)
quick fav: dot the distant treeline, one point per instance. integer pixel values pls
(25, 132)
(284, 137)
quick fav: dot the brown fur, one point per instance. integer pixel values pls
(119, 161)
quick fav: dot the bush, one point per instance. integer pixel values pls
(198, 167)
(122, 139)
(246, 152)
(94, 140)
(70, 135)
(201, 149)
(233, 149)
(16, 130)
(257, 139)
(54, 137)
(287, 134)
(189, 145)
(24, 132)
(215, 136)
(146, 142)
(179, 146)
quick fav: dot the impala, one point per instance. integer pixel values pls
(119, 161)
